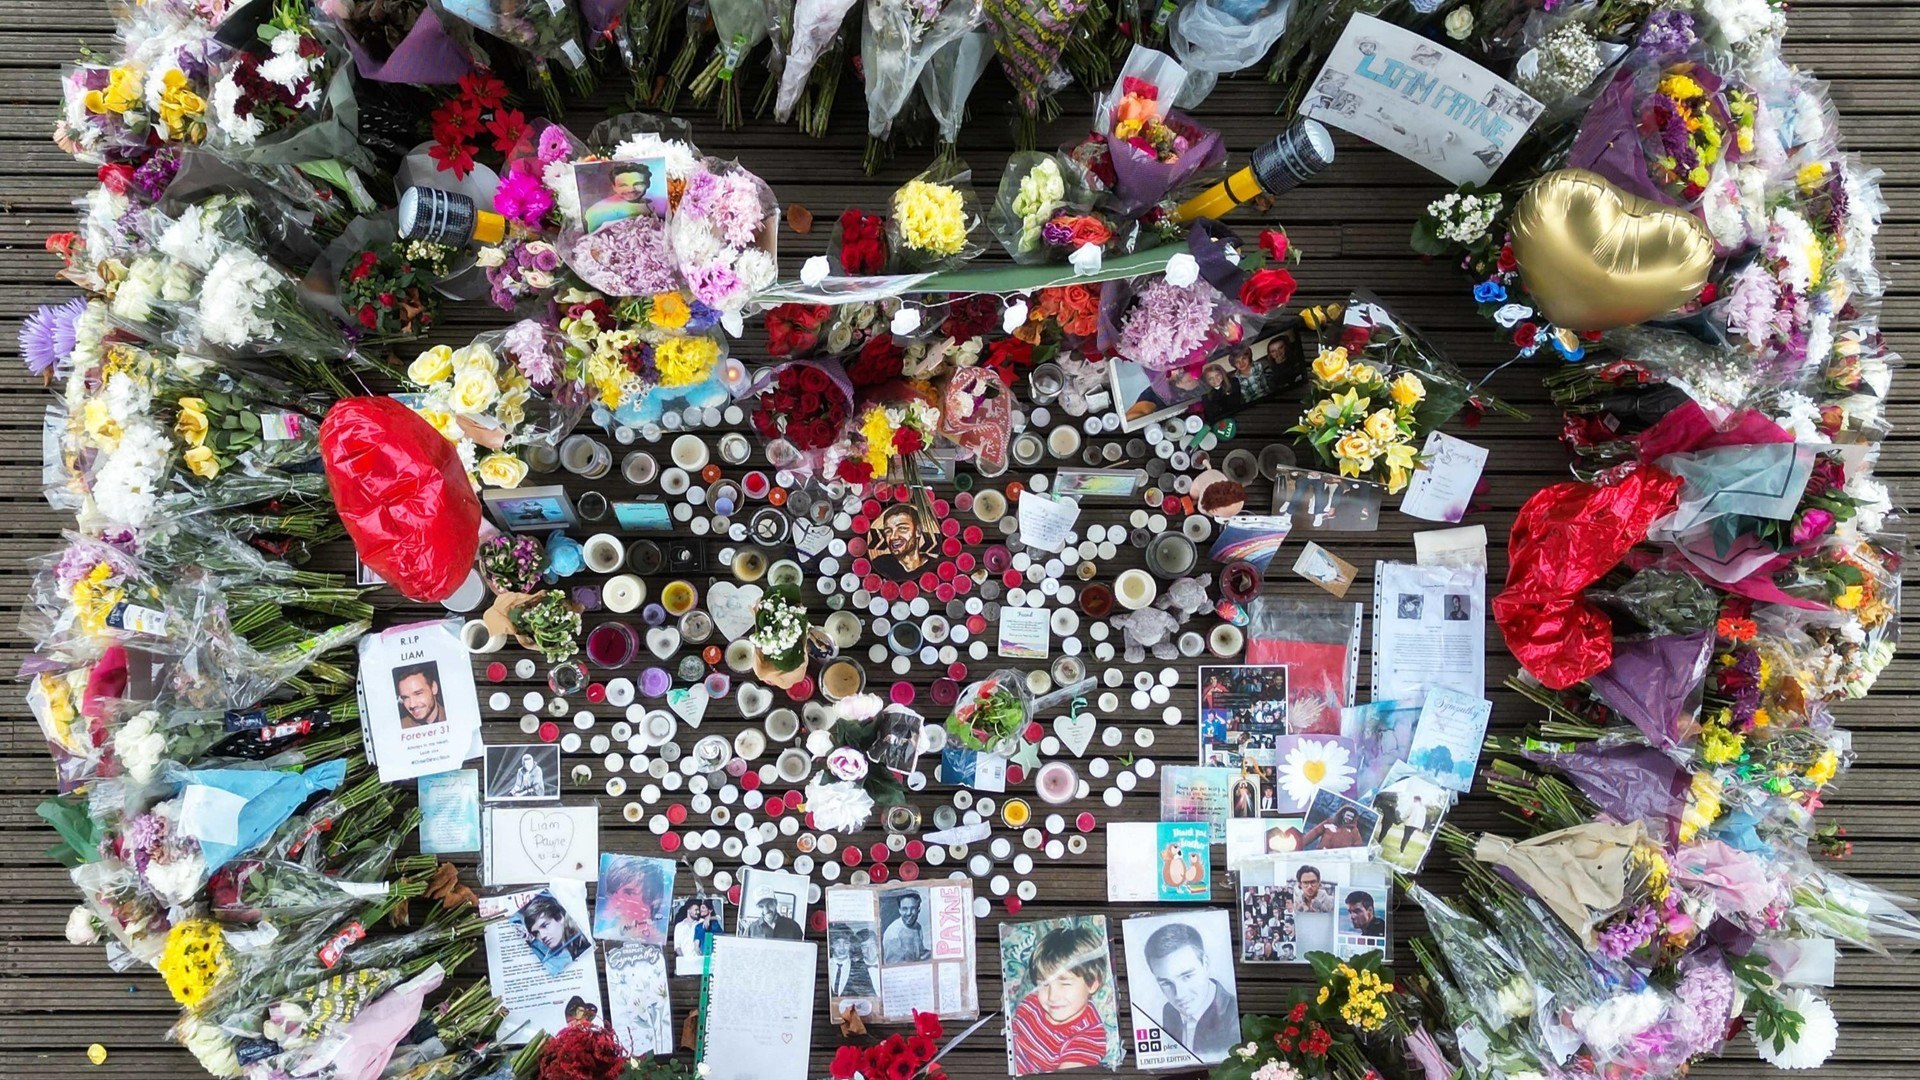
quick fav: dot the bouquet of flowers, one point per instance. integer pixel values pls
(805, 405)
(934, 221)
(1043, 214)
(1352, 1023)
(546, 622)
(1141, 146)
(779, 636)
(104, 118)
(892, 428)
(723, 232)
(946, 83)
(991, 713)
(1162, 325)
(387, 287)
(1366, 425)
(511, 564)
(900, 37)
(259, 95)
(476, 122)
(508, 388)
(813, 61)
(1032, 40)
(543, 33)
(740, 25)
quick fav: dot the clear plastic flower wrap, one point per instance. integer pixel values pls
(1834, 905)
(104, 115)
(899, 38)
(934, 221)
(522, 386)
(991, 712)
(1043, 212)
(1212, 38)
(1150, 148)
(948, 80)
(817, 34)
(90, 595)
(547, 34)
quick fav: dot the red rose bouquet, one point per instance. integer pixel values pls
(796, 330)
(859, 246)
(806, 405)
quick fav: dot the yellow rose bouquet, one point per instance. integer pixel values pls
(508, 389)
(1365, 424)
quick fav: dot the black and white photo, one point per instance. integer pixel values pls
(1181, 988)
(773, 904)
(529, 773)
(903, 926)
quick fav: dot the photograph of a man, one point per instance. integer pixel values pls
(418, 688)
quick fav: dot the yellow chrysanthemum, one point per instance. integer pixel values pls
(684, 361)
(878, 431)
(931, 218)
(194, 959)
(669, 311)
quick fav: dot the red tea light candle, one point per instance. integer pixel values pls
(756, 484)
(901, 693)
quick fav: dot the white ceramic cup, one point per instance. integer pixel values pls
(478, 639)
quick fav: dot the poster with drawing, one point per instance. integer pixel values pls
(1181, 993)
(1398, 89)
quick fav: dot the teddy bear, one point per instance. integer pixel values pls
(1147, 628)
(1185, 597)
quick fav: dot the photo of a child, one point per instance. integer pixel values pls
(1059, 996)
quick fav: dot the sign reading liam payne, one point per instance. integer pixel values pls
(1431, 106)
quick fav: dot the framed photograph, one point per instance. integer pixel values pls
(697, 920)
(1183, 1004)
(773, 904)
(530, 509)
(523, 773)
(1075, 1024)
(1252, 373)
(613, 191)
(1142, 397)
(643, 515)
(634, 898)
(1337, 822)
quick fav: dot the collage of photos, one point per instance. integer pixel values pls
(1294, 905)
(897, 949)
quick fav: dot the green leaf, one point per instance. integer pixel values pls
(1425, 240)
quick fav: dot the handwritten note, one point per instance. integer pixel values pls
(1046, 522)
(527, 844)
(759, 1013)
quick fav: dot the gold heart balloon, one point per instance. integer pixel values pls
(1595, 257)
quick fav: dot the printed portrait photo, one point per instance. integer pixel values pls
(553, 934)
(853, 952)
(903, 926)
(633, 900)
(773, 905)
(613, 191)
(1335, 821)
(1181, 988)
(526, 773)
(1059, 996)
(696, 922)
(417, 688)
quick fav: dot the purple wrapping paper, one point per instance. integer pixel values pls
(1627, 782)
(601, 16)
(1655, 683)
(1140, 180)
(1609, 141)
(426, 55)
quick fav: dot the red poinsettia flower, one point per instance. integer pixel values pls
(454, 158)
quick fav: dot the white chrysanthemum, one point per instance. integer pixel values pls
(838, 806)
(125, 397)
(1800, 416)
(238, 280)
(225, 102)
(757, 269)
(126, 485)
(682, 158)
(139, 746)
(134, 298)
(188, 240)
(1819, 1034)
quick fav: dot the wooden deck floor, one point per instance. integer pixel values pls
(55, 998)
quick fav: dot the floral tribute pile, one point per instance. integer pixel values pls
(1688, 609)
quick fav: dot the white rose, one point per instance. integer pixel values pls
(82, 927)
(491, 257)
(1459, 23)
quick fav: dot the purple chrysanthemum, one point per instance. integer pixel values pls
(48, 335)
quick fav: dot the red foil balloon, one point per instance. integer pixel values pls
(402, 494)
(1566, 537)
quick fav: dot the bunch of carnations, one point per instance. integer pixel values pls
(259, 95)
(388, 288)
(1167, 326)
